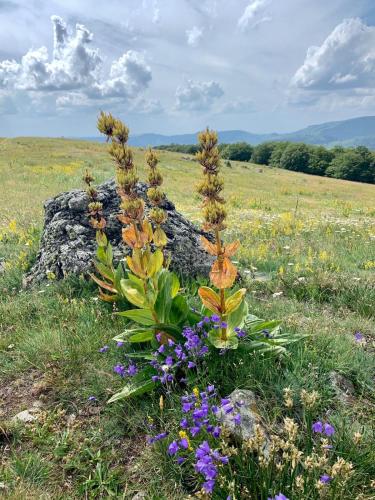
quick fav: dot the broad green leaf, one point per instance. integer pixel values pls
(163, 299)
(133, 389)
(233, 302)
(135, 279)
(236, 319)
(133, 292)
(175, 286)
(129, 332)
(179, 310)
(230, 343)
(141, 316)
(145, 336)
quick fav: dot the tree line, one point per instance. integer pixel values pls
(354, 164)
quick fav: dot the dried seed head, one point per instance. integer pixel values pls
(157, 215)
(214, 215)
(122, 156)
(211, 187)
(133, 210)
(155, 178)
(106, 124)
(120, 132)
(155, 195)
(126, 180)
(151, 159)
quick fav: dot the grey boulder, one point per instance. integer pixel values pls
(68, 242)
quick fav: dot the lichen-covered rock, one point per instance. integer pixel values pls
(244, 402)
(68, 242)
(343, 388)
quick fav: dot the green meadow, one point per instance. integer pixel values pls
(307, 257)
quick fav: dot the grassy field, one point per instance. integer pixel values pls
(307, 256)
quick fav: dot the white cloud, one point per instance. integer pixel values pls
(252, 15)
(129, 75)
(76, 70)
(194, 36)
(345, 60)
(239, 106)
(197, 96)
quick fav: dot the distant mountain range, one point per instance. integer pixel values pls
(354, 132)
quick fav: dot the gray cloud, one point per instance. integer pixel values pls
(8, 5)
(197, 96)
(345, 60)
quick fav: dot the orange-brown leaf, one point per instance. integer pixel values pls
(103, 284)
(225, 276)
(232, 248)
(134, 239)
(208, 246)
(106, 297)
(210, 299)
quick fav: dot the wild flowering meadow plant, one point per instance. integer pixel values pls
(178, 340)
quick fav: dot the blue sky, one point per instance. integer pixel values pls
(175, 66)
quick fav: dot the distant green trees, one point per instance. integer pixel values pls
(355, 164)
(239, 151)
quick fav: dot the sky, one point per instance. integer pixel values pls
(176, 66)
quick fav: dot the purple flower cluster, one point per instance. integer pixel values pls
(105, 348)
(280, 496)
(358, 337)
(207, 461)
(124, 371)
(170, 356)
(201, 417)
(158, 437)
(320, 428)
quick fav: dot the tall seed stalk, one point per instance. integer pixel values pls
(223, 272)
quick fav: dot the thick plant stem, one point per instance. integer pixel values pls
(222, 293)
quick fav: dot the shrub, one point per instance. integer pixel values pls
(240, 151)
(262, 153)
(295, 157)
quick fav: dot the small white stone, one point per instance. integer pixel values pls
(24, 416)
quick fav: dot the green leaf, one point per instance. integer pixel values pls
(237, 318)
(141, 355)
(109, 253)
(104, 270)
(179, 310)
(230, 343)
(133, 292)
(133, 389)
(135, 279)
(144, 336)
(164, 297)
(141, 316)
(101, 255)
(128, 332)
(139, 384)
(119, 275)
(175, 285)
(101, 239)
